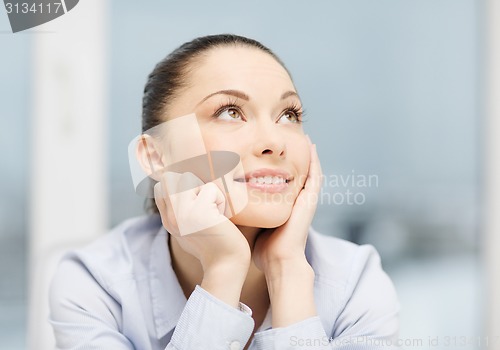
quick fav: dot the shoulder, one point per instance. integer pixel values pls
(365, 297)
(119, 255)
(339, 260)
(95, 286)
(343, 263)
(118, 248)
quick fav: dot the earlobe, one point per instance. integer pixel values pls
(149, 157)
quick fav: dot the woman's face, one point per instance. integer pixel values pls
(245, 102)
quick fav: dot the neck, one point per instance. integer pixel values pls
(190, 273)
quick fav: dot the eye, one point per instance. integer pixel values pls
(229, 113)
(290, 117)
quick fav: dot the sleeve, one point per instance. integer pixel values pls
(369, 319)
(84, 316)
(208, 323)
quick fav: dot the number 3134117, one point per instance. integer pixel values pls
(24, 7)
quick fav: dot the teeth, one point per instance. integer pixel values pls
(277, 180)
(267, 180)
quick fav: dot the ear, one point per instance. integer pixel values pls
(149, 156)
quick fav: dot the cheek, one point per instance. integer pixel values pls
(216, 141)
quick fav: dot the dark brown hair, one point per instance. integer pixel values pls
(169, 77)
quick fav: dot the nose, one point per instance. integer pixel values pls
(269, 141)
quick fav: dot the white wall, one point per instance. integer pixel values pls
(491, 169)
(68, 181)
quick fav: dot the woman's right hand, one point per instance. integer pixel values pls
(193, 212)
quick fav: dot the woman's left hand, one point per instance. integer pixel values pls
(288, 241)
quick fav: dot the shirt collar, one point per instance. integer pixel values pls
(167, 297)
(311, 249)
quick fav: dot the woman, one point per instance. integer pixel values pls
(262, 279)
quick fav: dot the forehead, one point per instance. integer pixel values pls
(235, 67)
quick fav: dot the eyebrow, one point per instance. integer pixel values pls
(242, 95)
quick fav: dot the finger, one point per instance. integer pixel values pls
(315, 175)
(210, 193)
(182, 188)
(168, 188)
(308, 198)
(190, 183)
(187, 189)
(160, 203)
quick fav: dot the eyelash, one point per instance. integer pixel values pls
(229, 104)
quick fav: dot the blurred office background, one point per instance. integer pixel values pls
(395, 93)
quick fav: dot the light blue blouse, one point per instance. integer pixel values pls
(121, 292)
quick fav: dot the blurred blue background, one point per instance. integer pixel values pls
(391, 89)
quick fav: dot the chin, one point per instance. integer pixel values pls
(263, 215)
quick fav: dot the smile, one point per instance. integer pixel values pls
(266, 180)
